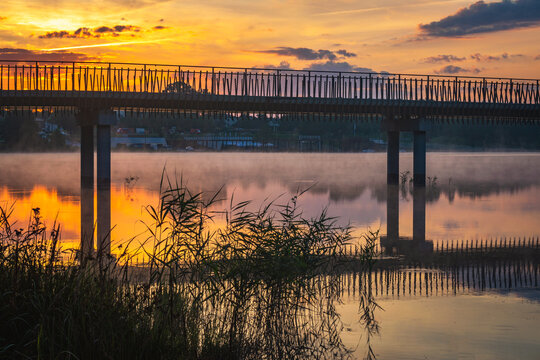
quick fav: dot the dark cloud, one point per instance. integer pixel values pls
(482, 17)
(537, 57)
(57, 34)
(116, 29)
(85, 32)
(442, 58)
(2, 18)
(160, 27)
(79, 33)
(337, 66)
(284, 65)
(308, 54)
(452, 70)
(345, 53)
(103, 29)
(35, 55)
(505, 56)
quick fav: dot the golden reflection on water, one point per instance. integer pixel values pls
(127, 209)
(465, 218)
(477, 195)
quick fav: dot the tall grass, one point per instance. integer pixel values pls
(264, 285)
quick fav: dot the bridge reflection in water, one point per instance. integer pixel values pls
(502, 265)
(392, 243)
(415, 266)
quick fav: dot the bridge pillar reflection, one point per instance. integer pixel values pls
(104, 189)
(87, 187)
(419, 213)
(392, 157)
(105, 120)
(419, 158)
(392, 212)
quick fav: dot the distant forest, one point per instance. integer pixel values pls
(42, 131)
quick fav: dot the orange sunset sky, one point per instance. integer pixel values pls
(484, 38)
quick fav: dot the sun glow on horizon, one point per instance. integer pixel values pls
(107, 44)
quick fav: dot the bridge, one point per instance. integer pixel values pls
(402, 102)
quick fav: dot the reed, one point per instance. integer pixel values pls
(265, 285)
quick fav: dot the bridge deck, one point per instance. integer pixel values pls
(165, 87)
(208, 102)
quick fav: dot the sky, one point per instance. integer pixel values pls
(456, 37)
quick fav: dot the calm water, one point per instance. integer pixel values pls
(490, 311)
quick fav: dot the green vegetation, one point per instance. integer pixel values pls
(262, 286)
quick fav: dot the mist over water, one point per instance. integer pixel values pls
(343, 176)
(472, 195)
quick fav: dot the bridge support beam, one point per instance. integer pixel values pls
(104, 189)
(419, 158)
(87, 190)
(392, 157)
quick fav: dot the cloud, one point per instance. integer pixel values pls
(35, 55)
(345, 53)
(2, 18)
(537, 57)
(452, 69)
(84, 32)
(442, 58)
(505, 56)
(482, 17)
(476, 57)
(160, 27)
(57, 34)
(308, 54)
(284, 65)
(337, 66)
(116, 29)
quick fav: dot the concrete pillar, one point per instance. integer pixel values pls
(392, 212)
(419, 158)
(87, 190)
(419, 213)
(392, 157)
(104, 189)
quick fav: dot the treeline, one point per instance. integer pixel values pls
(36, 131)
(345, 134)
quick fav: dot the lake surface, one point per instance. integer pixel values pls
(488, 309)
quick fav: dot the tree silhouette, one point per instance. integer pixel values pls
(181, 87)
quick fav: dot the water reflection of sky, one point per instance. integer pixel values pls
(475, 326)
(476, 195)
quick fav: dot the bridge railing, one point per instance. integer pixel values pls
(198, 81)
